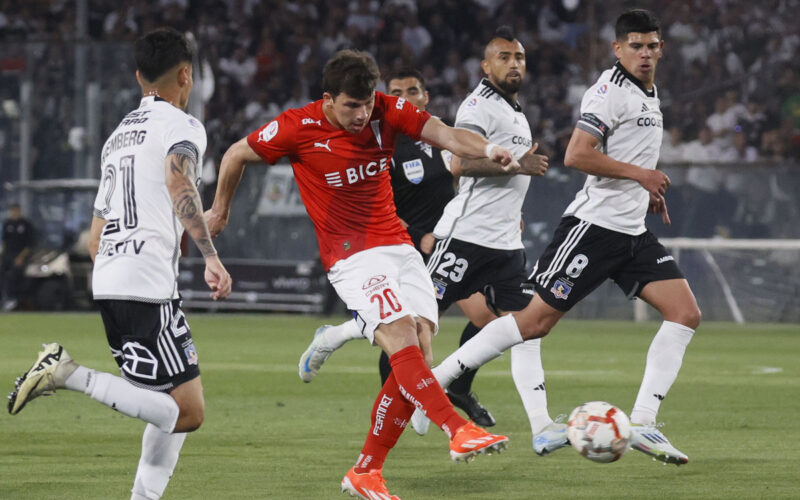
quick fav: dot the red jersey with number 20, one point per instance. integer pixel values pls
(343, 178)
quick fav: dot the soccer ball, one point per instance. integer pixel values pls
(599, 431)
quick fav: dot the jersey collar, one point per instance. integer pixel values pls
(514, 104)
(635, 81)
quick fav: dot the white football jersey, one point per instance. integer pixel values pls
(486, 211)
(626, 118)
(140, 244)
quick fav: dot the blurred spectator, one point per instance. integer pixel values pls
(703, 186)
(240, 67)
(17, 246)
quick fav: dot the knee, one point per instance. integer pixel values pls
(533, 329)
(190, 419)
(688, 316)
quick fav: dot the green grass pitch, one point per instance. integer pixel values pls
(734, 410)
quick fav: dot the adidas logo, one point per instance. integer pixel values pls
(539, 387)
(644, 107)
(659, 397)
(462, 366)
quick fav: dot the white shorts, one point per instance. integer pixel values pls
(384, 284)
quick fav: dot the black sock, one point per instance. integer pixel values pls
(463, 384)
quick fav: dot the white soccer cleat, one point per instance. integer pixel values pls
(648, 439)
(420, 422)
(551, 438)
(48, 373)
(313, 357)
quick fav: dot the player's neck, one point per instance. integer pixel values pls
(164, 94)
(330, 117)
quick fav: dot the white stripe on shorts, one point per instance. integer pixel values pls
(436, 255)
(570, 242)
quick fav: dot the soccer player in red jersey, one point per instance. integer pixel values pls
(340, 148)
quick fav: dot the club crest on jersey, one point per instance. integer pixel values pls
(439, 288)
(413, 170)
(268, 132)
(191, 354)
(373, 281)
(561, 289)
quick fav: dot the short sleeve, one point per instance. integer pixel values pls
(186, 134)
(404, 116)
(276, 139)
(601, 109)
(472, 115)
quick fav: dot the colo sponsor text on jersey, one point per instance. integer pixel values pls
(625, 116)
(486, 211)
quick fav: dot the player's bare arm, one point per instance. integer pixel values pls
(582, 154)
(466, 143)
(231, 169)
(94, 235)
(530, 163)
(181, 163)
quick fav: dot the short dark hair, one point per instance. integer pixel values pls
(159, 51)
(351, 71)
(408, 73)
(636, 21)
(505, 32)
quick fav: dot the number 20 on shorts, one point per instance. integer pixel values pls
(387, 302)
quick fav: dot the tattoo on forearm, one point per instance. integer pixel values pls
(186, 202)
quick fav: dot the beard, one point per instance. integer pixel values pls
(510, 87)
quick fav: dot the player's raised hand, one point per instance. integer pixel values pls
(217, 278)
(215, 221)
(658, 205)
(655, 182)
(533, 164)
(501, 155)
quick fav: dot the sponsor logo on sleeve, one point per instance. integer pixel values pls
(400, 103)
(268, 132)
(472, 102)
(602, 90)
(311, 121)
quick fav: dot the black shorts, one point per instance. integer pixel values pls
(151, 343)
(582, 255)
(459, 269)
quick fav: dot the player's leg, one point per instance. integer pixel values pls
(460, 391)
(666, 290)
(160, 450)
(326, 339)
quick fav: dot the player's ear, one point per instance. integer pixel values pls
(485, 67)
(139, 78)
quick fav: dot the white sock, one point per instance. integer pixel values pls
(664, 359)
(528, 375)
(117, 393)
(160, 451)
(336, 336)
(489, 343)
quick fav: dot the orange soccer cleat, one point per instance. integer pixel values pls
(369, 486)
(470, 440)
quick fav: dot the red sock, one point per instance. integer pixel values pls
(390, 415)
(418, 385)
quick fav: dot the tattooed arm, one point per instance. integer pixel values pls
(181, 164)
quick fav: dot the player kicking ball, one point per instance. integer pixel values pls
(340, 148)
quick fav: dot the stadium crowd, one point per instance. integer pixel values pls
(729, 82)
